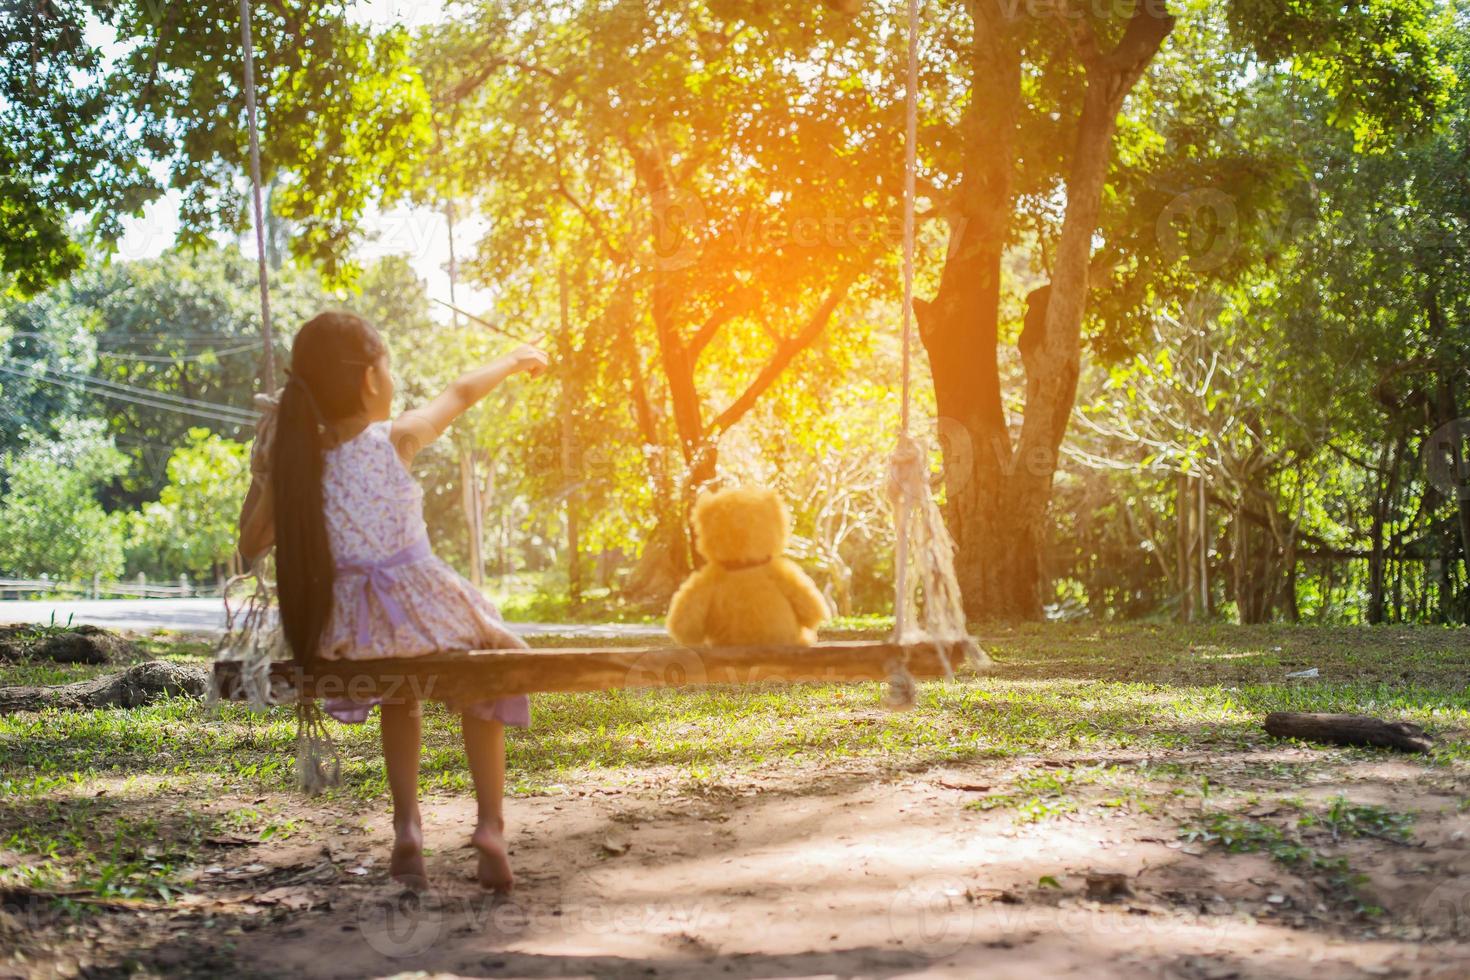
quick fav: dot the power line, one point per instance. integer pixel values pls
(118, 396)
(135, 390)
(179, 358)
(138, 338)
(229, 420)
(213, 411)
(165, 399)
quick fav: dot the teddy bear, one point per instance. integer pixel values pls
(747, 593)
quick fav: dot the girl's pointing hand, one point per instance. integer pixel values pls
(530, 359)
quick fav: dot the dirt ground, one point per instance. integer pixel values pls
(851, 871)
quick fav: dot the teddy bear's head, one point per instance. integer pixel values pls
(740, 526)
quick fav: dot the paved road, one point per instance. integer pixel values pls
(208, 616)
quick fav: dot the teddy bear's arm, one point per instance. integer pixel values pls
(689, 610)
(806, 602)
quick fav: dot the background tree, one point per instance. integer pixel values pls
(51, 522)
(193, 525)
(709, 228)
(156, 347)
(89, 133)
(1046, 86)
(1400, 220)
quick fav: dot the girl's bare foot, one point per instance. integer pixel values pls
(494, 872)
(406, 865)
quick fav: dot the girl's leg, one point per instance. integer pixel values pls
(484, 748)
(401, 740)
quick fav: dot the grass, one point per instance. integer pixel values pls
(543, 597)
(1298, 842)
(1058, 691)
(36, 632)
(1044, 697)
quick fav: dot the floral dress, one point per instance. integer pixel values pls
(393, 597)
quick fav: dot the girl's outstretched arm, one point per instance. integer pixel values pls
(417, 427)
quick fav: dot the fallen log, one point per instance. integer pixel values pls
(1349, 730)
(72, 645)
(138, 685)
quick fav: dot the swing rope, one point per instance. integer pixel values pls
(927, 606)
(268, 370)
(910, 165)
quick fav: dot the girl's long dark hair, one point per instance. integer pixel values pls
(328, 358)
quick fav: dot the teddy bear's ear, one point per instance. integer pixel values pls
(702, 505)
(777, 509)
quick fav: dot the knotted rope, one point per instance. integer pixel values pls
(924, 551)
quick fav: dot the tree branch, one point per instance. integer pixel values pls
(1084, 40)
(782, 357)
(1146, 30)
(490, 66)
(613, 251)
(735, 306)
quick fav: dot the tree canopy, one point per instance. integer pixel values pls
(1191, 276)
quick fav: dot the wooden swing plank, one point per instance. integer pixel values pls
(498, 673)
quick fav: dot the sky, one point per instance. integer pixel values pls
(420, 234)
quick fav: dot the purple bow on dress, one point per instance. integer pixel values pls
(377, 577)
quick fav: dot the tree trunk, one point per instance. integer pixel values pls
(960, 331)
(1382, 504)
(665, 559)
(1242, 572)
(1293, 609)
(502, 537)
(1202, 515)
(1324, 614)
(1183, 539)
(998, 494)
(1448, 410)
(569, 467)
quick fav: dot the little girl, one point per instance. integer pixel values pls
(355, 577)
